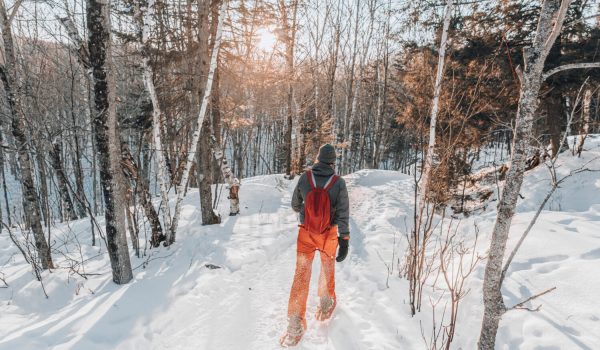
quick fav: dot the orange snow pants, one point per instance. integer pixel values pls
(308, 244)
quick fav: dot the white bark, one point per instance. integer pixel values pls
(437, 90)
(585, 113)
(233, 182)
(196, 136)
(146, 17)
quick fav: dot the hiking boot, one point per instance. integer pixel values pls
(295, 331)
(325, 309)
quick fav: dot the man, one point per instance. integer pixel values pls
(321, 198)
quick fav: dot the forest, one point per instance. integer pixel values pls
(136, 136)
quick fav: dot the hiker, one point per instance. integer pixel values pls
(321, 199)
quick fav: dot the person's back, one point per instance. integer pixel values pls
(315, 235)
(338, 195)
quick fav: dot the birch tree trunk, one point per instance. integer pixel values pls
(196, 136)
(145, 17)
(428, 167)
(10, 80)
(233, 183)
(552, 15)
(107, 138)
(585, 128)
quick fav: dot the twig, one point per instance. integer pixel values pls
(3, 279)
(520, 306)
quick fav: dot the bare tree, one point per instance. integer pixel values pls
(550, 22)
(196, 136)
(10, 79)
(289, 24)
(417, 263)
(107, 138)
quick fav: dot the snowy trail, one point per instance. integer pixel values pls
(176, 302)
(259, 268)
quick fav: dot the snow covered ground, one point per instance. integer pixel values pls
(176, 302)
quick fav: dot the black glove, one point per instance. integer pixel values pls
(343, 251)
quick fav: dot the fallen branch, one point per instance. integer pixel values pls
(520, 306)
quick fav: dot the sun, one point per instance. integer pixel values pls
(266, 38)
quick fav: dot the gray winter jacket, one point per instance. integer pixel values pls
(338, 196)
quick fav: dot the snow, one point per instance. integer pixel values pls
(176, 302)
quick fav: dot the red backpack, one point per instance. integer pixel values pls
(317, 207)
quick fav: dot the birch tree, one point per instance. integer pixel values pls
(435, 107)
(144, 19)
(418, 242)
(191, 152)
(585, 120)
(551, 18)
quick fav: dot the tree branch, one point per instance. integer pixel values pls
(570, 66)
(520, 306)
(558, 22)
(15, 8)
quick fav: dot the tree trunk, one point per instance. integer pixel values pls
(550, 22)
(289, 28)
(555, 107)
(196, 136)
(107, 138)
(345, 128)
(585, 116)
(80, 198)
(44, 187)
(3, 174)
(61, 181)
(132, 172)
(144, 20)
(204, 157)
(428, 166)
(30, 198)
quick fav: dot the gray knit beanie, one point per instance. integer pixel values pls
(327, 154)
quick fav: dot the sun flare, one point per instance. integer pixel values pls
(266, 39)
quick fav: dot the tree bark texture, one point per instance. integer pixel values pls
(30, 197)
(107, 139)
(550, 22)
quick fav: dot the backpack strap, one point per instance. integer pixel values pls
(311, 180)
(330, 182)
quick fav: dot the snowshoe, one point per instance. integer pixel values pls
(295, 331)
